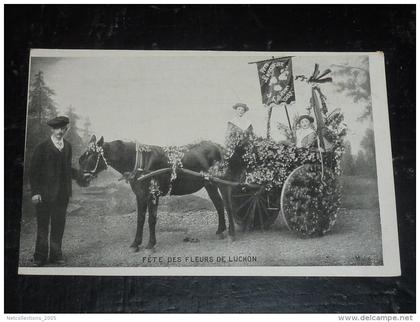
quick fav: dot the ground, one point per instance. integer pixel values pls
(101, 225)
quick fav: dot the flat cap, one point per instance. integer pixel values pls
(246, 108)
(58, 122)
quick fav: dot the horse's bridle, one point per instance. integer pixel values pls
(100, 151)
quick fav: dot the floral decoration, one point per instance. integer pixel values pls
(154, 190)
(312, 202)
(175, 155)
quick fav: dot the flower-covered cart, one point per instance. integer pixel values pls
(267, 178)
(301, 184)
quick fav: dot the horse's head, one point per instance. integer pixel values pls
(93, 161)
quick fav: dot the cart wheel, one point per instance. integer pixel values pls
(310, 201)
(251, 209)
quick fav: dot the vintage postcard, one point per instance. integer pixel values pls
(208, 163)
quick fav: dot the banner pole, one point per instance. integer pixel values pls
(270, 111)
(288, 118)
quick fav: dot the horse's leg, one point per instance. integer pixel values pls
(141, 215)
(217, 200)
(227, 199)
(152, 207)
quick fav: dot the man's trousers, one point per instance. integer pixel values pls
(54, 214)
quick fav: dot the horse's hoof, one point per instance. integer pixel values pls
(149, 250)
(231, 239)
(134, 249)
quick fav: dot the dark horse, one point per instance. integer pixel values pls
(123, 157)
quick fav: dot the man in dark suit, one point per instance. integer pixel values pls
(50, 178)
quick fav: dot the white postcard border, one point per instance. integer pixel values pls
(386, 192)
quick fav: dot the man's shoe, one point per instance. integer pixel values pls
(57, 261)
(39, 263)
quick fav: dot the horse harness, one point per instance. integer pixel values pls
(138, 165)
(100, 152)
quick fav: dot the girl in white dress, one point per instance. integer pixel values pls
(240, 123)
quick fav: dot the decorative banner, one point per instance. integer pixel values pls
(276, 81)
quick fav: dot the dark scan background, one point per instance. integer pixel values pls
(390, 29)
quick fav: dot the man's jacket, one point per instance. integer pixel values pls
(48, 175)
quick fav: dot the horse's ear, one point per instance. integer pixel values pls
(101, 141)
(93, 139)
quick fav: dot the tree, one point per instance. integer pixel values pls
(41, 108)
(347, 161)
(368, 144)
(86, 133)
(365, 163)
(356, 84)
(41, 104)
(73, 134)
(360, 164)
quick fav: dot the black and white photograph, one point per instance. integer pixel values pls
(207, 163)
(209, 158)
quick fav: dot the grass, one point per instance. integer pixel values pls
(359, 193)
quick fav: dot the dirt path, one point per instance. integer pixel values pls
(96, 235)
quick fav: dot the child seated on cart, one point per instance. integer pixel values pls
(304, 135)
(305, 132)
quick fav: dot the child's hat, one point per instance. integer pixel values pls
(308, 117)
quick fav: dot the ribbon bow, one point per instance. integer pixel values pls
(316, 77)
(319, 78)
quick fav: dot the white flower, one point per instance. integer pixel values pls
(283, 76)
(277, 88)
(273, 80)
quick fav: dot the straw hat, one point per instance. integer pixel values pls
(246, 108)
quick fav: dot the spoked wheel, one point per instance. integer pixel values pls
(310, 200)
(252, 209)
